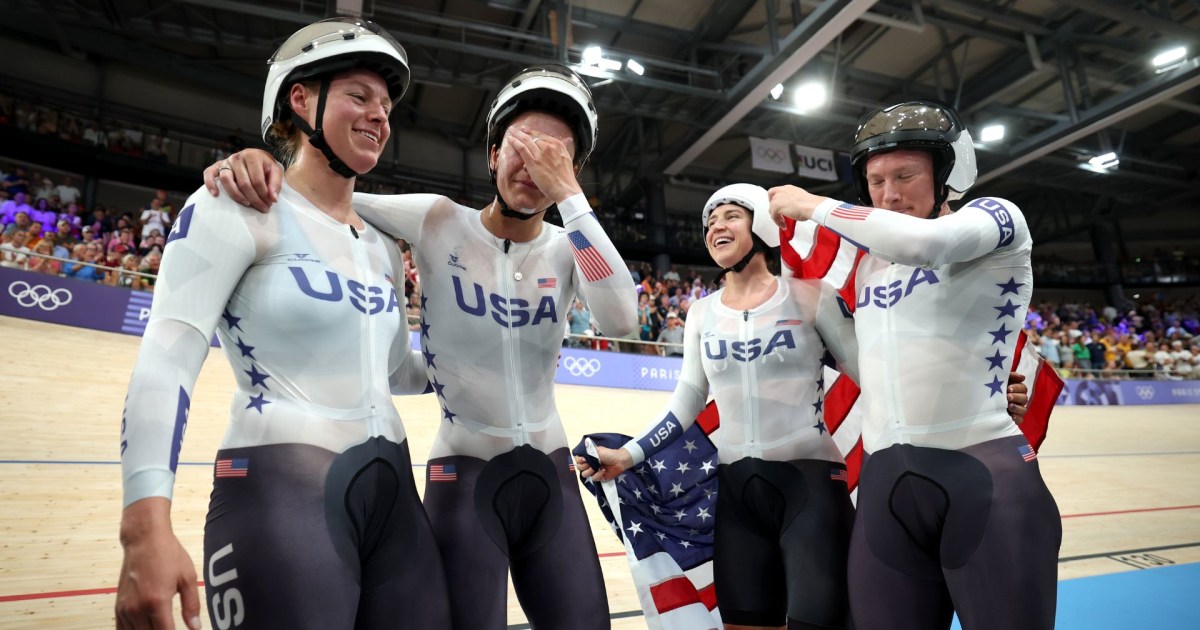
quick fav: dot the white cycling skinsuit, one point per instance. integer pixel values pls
(313, 476)
(783, 513)
(950, 492)
(500, 489)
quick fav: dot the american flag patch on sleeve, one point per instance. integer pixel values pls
(837, 474)
(1027, 452)
(589, 259)
(852, 213)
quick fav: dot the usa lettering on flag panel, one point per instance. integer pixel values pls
(589, 259)
(232, 467)
(443, 472)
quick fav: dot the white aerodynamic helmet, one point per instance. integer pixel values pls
(322, 49)
(923, 126)
(550, 88)
(751, 197)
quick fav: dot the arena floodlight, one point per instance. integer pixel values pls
(635, 67)
(810, 96)
(1167, 58)
(1107, 160)
(592, 55)
(612, 65)
(991, 133)
(777, 91)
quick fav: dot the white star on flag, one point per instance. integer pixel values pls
(704, 515)
(680, 514)
(634, 528)
(659, 466)
(676, 489)
(707, 466)
(690, 446)
(683, 467)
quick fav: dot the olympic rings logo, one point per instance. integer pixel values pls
(770, 153)
(586, 368)
(40, 296)
(1145, 392)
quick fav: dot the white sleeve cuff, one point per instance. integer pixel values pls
(635, 451)
(574, 207)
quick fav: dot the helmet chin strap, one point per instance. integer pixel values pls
(756, 245)
(506, 210)
(316, 137)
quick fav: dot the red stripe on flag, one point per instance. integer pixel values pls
(709, 419)
(708, 596)
(674, 593)
(854, 461)
(838, 401)
(847, 291)
(1047, 385)
(825, 249)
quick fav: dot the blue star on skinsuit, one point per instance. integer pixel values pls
(996, 386)
(246, 350)
(1000, 335)
(428, 358)
(447, 415)
(819, 404)
(1010, 286)
(231, 322)
(424, 299)
(1008, 310)
(424, 329)
(257, 403)
(437, 387)
(996, 360)
(820, 427)
(257, 379)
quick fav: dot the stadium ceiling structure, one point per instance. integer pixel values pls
(680, 85)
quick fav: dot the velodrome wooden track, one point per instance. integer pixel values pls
(1124, 478)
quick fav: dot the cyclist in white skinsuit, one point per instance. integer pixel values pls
(496, 287)
(783, 514)
(315, 521)
(950, 492)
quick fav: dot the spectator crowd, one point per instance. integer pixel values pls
(43, 221)
(1158, 338)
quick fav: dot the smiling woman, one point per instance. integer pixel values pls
(314, 473)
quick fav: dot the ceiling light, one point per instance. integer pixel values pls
(777, 91)
(1108, 160)
(610, 64)
(592, 55)
(1168, 57)
(810, 96)
(635, 67)
(991, 133)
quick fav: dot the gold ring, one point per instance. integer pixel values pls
(225, 168)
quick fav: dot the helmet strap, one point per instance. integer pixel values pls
(316, 137)
(506, 210)
(756, 246)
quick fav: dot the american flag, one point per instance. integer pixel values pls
(547, 283)
(589, 259)
(233, 467)
(852, 213)
(443, 472)
(837, 474)
(1027, 452)
(662, 510)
